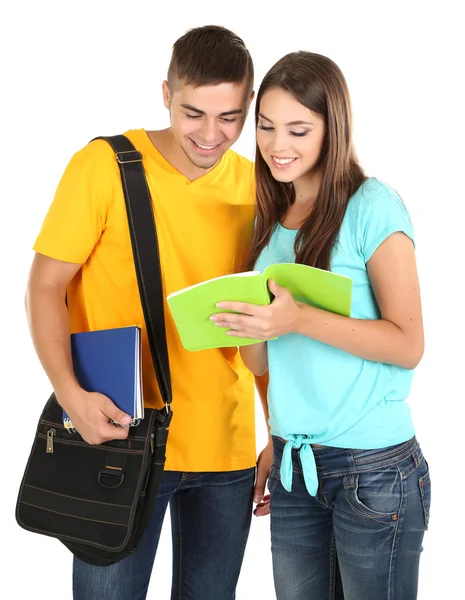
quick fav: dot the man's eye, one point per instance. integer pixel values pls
(192, 116)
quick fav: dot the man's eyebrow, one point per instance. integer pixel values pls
(287, 124)
(192, 108)
(237, 111)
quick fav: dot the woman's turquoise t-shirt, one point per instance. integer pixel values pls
(319, 394)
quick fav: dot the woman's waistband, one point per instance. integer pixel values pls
(330, 460)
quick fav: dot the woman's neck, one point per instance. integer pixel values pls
(306, 189)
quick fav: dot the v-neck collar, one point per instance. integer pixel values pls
(155, 152)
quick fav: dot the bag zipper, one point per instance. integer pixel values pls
(49, 446)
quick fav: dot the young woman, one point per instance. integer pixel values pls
(348, 474)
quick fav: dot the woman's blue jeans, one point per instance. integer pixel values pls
(372, 507)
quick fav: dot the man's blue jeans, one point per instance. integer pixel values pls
(372, 507)
(210, 521)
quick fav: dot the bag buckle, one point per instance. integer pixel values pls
(130, 156)
(111, 479)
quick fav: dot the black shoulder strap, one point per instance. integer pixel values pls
(146, 255)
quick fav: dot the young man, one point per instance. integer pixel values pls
(203, 202)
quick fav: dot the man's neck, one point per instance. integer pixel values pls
(168, 147)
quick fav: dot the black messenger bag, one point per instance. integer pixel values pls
(98, 499)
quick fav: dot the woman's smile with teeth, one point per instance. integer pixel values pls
(282, 162)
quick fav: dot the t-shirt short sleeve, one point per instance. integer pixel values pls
(381, 213)
(76, 218)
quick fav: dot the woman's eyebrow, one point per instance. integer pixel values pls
(287, 124)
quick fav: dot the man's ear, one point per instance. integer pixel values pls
(249, 104)
(166, 94)
(252, 96)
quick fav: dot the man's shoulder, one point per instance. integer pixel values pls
(240, 171)
(95, 155)
(98, 150)
(238, 161)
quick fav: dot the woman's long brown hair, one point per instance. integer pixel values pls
(317, 83)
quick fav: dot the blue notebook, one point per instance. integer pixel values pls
(109, 361)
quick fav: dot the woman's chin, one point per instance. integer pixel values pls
(281, 176)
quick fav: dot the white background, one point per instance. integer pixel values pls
(75, 70)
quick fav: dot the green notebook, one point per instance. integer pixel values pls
(192, 307)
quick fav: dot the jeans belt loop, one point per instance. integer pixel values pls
(349, 481)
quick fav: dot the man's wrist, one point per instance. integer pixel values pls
(69, 393)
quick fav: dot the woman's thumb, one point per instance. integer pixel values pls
(275, 289)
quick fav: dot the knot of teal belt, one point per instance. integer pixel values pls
(307, 460)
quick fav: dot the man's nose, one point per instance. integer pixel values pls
(210, 132)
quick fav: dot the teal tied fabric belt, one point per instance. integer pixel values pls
(307, 459)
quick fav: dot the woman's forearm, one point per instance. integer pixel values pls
(375, 340)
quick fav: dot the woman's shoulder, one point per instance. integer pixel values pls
(374, 211)
(374, 195)
(372, 190)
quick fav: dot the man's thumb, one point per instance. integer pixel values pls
(115, 414)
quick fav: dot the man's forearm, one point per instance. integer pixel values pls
(49, 326)
(255, 358)
(261, 383)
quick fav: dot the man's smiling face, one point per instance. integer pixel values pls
(206, 120)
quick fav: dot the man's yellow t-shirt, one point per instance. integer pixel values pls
(203, 229)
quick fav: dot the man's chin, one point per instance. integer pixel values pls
(204, 162)
(206, 166)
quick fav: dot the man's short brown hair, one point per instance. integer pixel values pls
(210, 55)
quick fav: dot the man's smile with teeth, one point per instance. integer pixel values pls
(206, 147)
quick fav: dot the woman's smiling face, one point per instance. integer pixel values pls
(289, 135)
